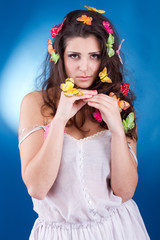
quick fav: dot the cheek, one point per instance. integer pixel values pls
(96, 67)
(70, 67)
(67, 66)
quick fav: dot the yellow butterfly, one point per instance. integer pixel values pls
(123, 105)
(94, 9)
(85, 19)
(72, 92)
(68, 89)
(69, 84)
(104, 77)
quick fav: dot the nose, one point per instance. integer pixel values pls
(83, 65)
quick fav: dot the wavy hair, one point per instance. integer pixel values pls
(54, 74)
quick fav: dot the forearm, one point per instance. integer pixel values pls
(124, 176)
(42, 170)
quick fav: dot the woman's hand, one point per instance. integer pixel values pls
(69, 106)
(109, 110)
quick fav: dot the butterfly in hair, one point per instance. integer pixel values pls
(107, 27)
(94, 9)
(54, 56)
(109, 45)
(97, 115)
(123, 105)
(124, 88)
(56, 29)
(104, 76)
(129, 123)
(85, 19)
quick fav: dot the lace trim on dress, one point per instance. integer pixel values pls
(46, 129)
(89, 137)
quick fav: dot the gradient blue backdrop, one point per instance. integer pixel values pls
(136, 21)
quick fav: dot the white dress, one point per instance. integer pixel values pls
(81, 205)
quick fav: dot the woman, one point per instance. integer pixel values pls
(78, 159)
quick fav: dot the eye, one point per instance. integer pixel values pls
(96, 56)
(73, 56)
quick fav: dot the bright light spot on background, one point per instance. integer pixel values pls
(18, 76)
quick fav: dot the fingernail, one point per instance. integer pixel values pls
(95, 91)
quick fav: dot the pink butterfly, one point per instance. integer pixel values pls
(117, 51)
(97, 116)
(107, 27)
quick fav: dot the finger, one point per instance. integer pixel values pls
(87, 96)
(98, 106)
(90, 92)
(105, 97)
(102, 98)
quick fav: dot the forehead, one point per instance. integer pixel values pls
(89, 44)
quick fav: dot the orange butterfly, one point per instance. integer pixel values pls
(85, 19)
(49, 46)
(123, 105)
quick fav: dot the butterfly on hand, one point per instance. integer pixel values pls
(85, 19)
(129, 123)
(68, 88)
(123, 105)
(109, 45)
(104, 76)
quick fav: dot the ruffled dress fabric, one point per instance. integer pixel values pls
(81, 205)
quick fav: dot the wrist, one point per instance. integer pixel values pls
(120, 134)
(58, 120)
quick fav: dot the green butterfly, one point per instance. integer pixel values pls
(128, 124)
(109, 45)
(54, 57)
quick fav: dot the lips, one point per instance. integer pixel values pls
(83, 78)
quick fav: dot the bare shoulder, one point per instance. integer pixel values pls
(34, 97)
(32, 102)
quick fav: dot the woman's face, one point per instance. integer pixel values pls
(82, 58)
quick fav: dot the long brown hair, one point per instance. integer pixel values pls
(54, 74)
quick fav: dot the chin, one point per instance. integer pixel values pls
(84, 85)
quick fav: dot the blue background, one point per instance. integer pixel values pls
(136, 21)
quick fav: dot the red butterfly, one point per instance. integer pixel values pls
(56, 29)
(124, 89)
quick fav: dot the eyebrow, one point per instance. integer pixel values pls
(80, 53)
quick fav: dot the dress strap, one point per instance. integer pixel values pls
(30, 132)
(131, 150)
